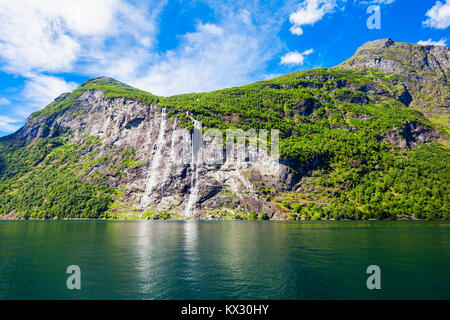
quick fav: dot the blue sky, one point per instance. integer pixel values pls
(48, 47)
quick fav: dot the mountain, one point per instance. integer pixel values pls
(367, 139)
(425, 72)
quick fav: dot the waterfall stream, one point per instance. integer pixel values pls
(172, 156)
(195, 160)
(153, 174)
(155, 162)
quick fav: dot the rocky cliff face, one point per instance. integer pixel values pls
(168, 175)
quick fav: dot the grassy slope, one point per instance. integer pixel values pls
(360, 175)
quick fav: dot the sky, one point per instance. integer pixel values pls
(169, 47)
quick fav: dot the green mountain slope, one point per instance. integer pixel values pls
(356, 137)
(424, 70)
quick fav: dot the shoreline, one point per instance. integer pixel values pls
(306, 220)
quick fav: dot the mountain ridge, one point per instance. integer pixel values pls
(425, 70)
(355, 144)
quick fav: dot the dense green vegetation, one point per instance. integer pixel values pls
(37, 182)
(332, 122)
(338, 118)
(410, 183)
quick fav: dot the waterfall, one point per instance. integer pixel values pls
(195, 160)
(155, 162)
(172, 158)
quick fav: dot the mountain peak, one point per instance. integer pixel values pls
(424, 70)
(409, 59)
(101, 81)
(110, 87)
(377, 44)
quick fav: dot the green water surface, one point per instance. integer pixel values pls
(224, 259)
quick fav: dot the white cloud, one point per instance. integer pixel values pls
(438, 15)
(40, 90)
(41, 39)
(295, 58)
(4, 101)
(429, 42)
(232, 51)
(309, 12)
(31, 43)
(296, 30)
(375, 1)
(8, 124)
(212, 57)
(52, 35)
(93, 38)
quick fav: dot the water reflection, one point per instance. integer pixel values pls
(145, 252)
(190, 238)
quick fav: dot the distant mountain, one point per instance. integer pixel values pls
(425, 72)
(367, 139)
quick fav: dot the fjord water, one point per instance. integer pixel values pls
(224, 259)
